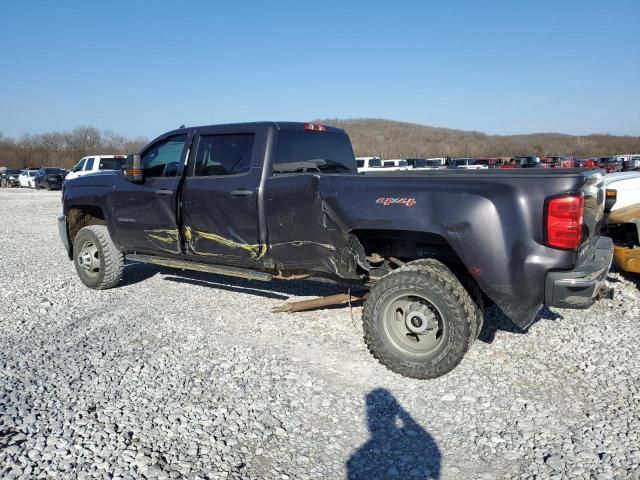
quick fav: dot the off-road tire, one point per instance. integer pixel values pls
(443, 292)
(110, 259)
(461, 279)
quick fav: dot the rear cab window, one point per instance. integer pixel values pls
(224, 154)
(111, 163)
(303, 151)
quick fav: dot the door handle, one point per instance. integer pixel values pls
(164, 191)
(241, 193)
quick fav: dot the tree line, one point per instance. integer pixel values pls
(64, 149)
(391, 139)
(370, 137)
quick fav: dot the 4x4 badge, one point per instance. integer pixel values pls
(386, 201)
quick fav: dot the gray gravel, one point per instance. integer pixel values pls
(181, 375)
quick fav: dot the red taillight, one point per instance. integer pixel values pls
(315, 127)
(564, 222)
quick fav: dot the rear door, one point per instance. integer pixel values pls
(146, 214)
(220, 197)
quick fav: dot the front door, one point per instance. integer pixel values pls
(220, 198)
(146, 213)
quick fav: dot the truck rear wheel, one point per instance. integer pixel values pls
(98, 261)
(463, 281)
(417, 321)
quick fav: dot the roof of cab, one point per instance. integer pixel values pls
(264, 124)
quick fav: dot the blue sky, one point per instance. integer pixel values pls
(141, 68)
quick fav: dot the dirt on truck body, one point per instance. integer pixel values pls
(284, 200)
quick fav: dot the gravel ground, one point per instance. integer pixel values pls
(181, 375)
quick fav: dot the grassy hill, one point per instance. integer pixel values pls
(391, 139)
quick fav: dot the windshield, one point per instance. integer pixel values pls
(302, 151)
(111, 163)
(403, 163)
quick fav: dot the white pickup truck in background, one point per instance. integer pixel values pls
(396, 165)
(95, 163)
(368, 164)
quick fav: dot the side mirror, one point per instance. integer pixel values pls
(132, 169)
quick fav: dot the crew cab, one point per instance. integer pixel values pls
(284, 200)
(96, 163)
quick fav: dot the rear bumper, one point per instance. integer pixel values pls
(580, 288)
(64, 234)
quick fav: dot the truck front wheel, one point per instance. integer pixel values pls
(416, 323)
(98, 261)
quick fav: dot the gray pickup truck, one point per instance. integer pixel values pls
(284, 200)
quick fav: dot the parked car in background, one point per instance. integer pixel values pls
(9, 178)
(50, 178)
(610, 164)
(434, 161)
(467, 164)
(95, 163)
(509, 163)
(590, 163)
(489, 162)
(630, 162)
(368, 164)
(25, 178)
(529, 161)
(559, 162)
(395, 165)
(427, 164)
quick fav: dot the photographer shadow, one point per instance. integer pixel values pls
(398, 447)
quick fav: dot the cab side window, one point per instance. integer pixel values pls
(89, 165)
(223, 155)
(163, 159)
